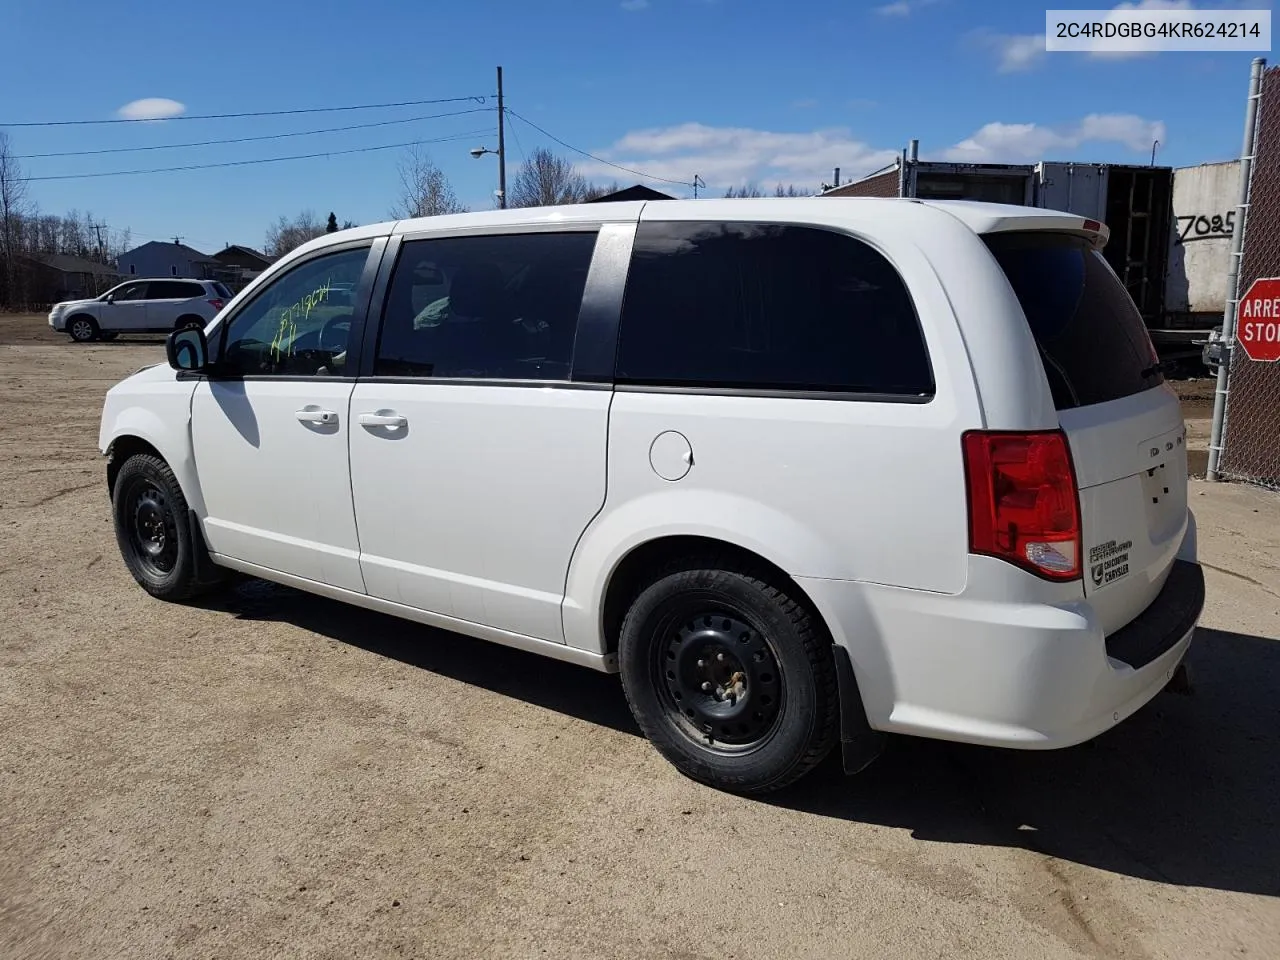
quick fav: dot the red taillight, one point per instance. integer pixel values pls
(1023, 502)
(216, 303)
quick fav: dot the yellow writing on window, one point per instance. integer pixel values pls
(287, 331)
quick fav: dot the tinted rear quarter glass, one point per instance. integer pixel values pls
(1093, 343)
(768, 306)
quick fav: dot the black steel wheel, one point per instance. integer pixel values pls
(82, 328)
(152, 526)
(730, 676)
(155, 541)
(719, 677)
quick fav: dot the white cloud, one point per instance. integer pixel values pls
(1014, 52)
(1022, 142)
(634, 5)
(1154, 5)
(152, 108)
(805, 103)
(903, 8)
(1117, 13)
(724, 156)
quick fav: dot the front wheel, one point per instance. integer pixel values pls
(730, 676)
(82, 329)
(150, 514)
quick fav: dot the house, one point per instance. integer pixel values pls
(241, 264)
(638, 192)
(164, 259)
(58, 276)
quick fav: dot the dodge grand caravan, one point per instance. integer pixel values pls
(803, 471)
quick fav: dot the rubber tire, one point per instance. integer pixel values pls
(190, 322)
(93, 325)
(182, 582)
(108, 334)
(808, 726)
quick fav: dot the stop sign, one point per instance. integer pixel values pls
(1258, 320)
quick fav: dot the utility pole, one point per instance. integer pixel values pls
(102, 251)
(696, 181)
(502, 148)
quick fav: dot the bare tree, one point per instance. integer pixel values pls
(791, 190)
(595, 191)
(285, 234)
(751, 189)
(13, 200)
(424, 189)
(544, 180)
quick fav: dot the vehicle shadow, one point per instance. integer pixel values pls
(1184, 792)
(562, 687)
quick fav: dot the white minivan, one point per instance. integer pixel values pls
(804, 471)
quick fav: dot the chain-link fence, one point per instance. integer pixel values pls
(1251, 431)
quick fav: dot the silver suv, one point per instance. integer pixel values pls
(140, 306)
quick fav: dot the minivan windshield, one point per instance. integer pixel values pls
(1093, 342)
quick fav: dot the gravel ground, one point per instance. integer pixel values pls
(276, 775)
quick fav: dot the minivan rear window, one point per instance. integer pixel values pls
(1093, 343)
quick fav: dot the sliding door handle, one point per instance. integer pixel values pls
(392, 420)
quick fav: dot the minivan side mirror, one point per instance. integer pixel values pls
(187, 349)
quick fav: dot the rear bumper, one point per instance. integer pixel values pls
(996, 665)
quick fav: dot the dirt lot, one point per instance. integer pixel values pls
(275, 775)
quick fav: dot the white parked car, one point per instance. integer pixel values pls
(803, 471)
(140, 306)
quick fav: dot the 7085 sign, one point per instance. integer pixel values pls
(1205, 227)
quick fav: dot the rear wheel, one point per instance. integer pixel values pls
(189, 322)
(150, 515)
(82, 329)
(730, 676)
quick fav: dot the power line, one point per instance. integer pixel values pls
(269, 136)
(245, 163)
(524, 156)
(252, 113)
(610, 163)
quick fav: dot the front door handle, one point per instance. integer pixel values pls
(312, 415)
(393, 420)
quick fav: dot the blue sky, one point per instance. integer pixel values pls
(733, 90)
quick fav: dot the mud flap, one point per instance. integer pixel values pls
(207, 572)
(859, 744)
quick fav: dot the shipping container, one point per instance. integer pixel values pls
(1204, 219)
(1134, 202)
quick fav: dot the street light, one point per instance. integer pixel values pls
(479, 152)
